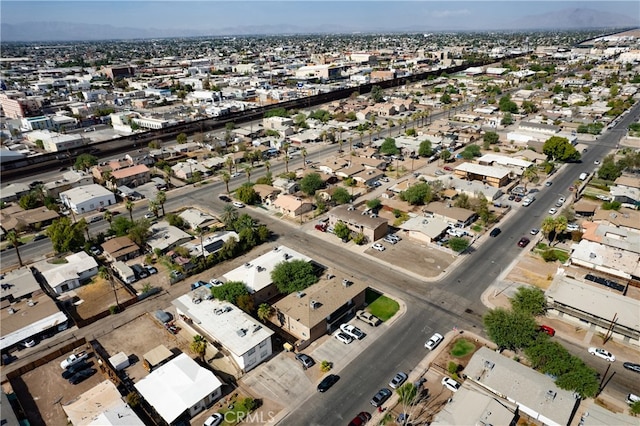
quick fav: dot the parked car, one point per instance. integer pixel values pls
(215, 282)
(450, 384)
(389, 240)
(214, 420)
(368, 318)
(82, 375)
(39, 237)
(151, 269)
(380, 397)
(548, 330)
(198, 284)
(322, 227)
(495, 232)
(327, 382)
(632, 366)
(29, 343)
(238, 204)
(534, 231)
(523, 242)
(398, 380)
(139, 271)
(447, 168)
(434, 341)
(352, 331)
(602, 353)
(378, 246)
(548, 183)
(163, 316)
(305, 360)
(224, 198)
(74, 359)
(344, 337)
(553, 211)
(69, 372)
(359, 420)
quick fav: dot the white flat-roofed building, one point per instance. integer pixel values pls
(474, 407)
(503, 160)
(535, 394)
(87, 198)
(164, 237)
(80, 268)
(248, 341)
(151, 123)
(210, 243)
(599, 416)
(590, 303)
(102, 405)
(56, 142)
(425, 229)
(606, 259)
(493, 176)
(257, 274)
(180, 386)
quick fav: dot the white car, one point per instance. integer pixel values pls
(214, 420)
(238, 204)
(553, 210)
(434, 341)
(398, 380)
(215, 282)
(450, 384)
(149, 216)
(601, 353)
(378, 246)
(390, 240)
(352, 331)
(596, 162)
(344, 338)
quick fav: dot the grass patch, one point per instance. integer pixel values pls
(59, 261)
(461, 348)
(240, 407)
(477, 228)
(541, 246)
(383, 307)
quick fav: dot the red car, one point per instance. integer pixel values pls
(321, 227)
(546, 329)
(360, 419)
(523, 242)
(447, 168)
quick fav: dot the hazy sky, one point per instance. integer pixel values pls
(359, 15)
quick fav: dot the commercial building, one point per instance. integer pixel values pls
(18, 105)
(87, 198)
(56, 142)
(70, 179)
(475, 407)
(246, 340)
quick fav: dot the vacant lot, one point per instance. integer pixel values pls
(98, 295)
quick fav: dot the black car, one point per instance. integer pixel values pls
(69, 372)
(82, 375)
(379, 398)
(224, 198)
(495, 232)
(631, 366)
(327, 382)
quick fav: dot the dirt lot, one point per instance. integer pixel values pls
(98, 296)
(531, 269)
(43, 391)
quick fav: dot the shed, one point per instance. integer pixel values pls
(156, 356)
(119, 361)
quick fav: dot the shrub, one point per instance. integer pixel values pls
(549, 256)
(326, 366)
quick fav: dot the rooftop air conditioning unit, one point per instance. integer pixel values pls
(300, 294)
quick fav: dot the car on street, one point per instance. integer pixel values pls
(214, 420)
(398, 380)
(380, 397)
(378, 246)
(344, 337)
(548, 330)
(523, 242)
(238, 204)
(534, 231)
(632, 366)
(224, 198)
(602, 353)
(327, 382)
(361, 419)
(495, 232)
(197, 284)
(560, 202)
(305, 360)
(548, 183)
(39, 237)
(369, 318)
(149, 215)
(596, 162)
(352, 331)
(82, 375)
(553, 210)
(235, 175)
(433, 341)
(450, 384)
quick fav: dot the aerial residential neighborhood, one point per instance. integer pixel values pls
(392, 228)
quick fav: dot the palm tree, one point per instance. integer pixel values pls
(371, 131)
(303, 153)
(389, 125)
(226, 177)
(12, 237)
(361, 131)
(200, 232)
(286, 163)
(229, 215)
(548, 227)
(267, 165)
(229, 163)
(129, 206)
(199, 346)
(529, 175)
(265, 311)
(108, 216)
(161, 198)
(351, 142)
(247, 170)
(340, 143)
(106, 175)
(154, 207)
(560, 225)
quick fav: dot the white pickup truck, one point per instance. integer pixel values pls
(74, 359)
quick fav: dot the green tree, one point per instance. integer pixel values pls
(560, 149)
(377, 94)
(582, 380)
(129, 206)
(530, 300)
(108, 216)
(265, 311)
(229, 216)
(507, 119)
(311, 183)
(389, 147)
(85, 162)
(634, 408)
(510, 329)
(181, 138)
(341, 196)
(30, 200)
(247, 194)
(458, 244)
(529, 175)
(229, 291)
(154, 207)
(507, 105)
(417, 194)
(471, 151)
(491, 138)
(548, 227)
(199, 346)
(407, 397)
(341, 230)
(245, 302)
(445, 154)
(66, 236)
(229, 249)
(374, 204)
(139, 232)
(12, 237)
(609, 170)
(293, 275)
(161, 198)
(425, 149)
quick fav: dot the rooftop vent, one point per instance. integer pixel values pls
(550, 395)
(592, 255)
(256, 328)
(346, 282)
(11, 311)
(242, 332)
(314, 304)
(489, 365)
(248, 265)
(286, 256)
(301, 294)
(31, 303)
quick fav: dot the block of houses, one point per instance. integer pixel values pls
(456, 215)
(292, 206)
(14, 191)
(624, 218)
(78, 270)
(256, 275)
(15, 217)
(165, 237)
(198, 219)
(373, 228)
(185, 170)
(246, 340)
(267, 193)
(627, 191)
(26, 311)
(120, 249)
(180, 387)
(491, 175)
(69, 180)
(100, 405)
(87, 198)
(319, 309)
(129, 176)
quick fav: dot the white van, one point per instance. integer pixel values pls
(631, 398)
(583, 176)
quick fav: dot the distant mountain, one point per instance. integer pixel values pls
(573, 19)
(577, 18)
